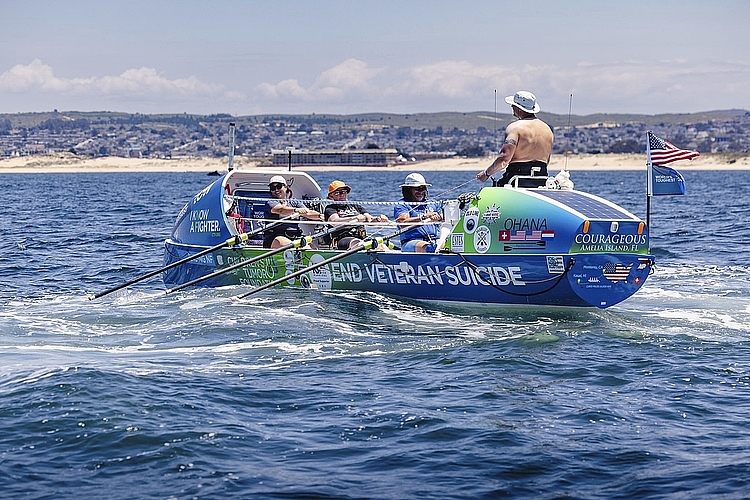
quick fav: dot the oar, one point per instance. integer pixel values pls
(522, 245)
(234, 240)
(294, 244)
(363, 245)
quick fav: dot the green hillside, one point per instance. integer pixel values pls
(446, 120)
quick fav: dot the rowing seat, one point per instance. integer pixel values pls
(252, 209)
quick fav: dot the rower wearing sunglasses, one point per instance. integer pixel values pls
(341, 210)
(280, 206)
(416, 208)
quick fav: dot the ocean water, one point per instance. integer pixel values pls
(298, 394)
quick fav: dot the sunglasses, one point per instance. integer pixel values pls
(274, 187)
(340, 191)
(420, 188)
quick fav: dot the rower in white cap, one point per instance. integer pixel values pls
(280, 206)
(415, 208)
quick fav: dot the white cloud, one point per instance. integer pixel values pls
(34, 76)
(137, 82)
(454, 84)
(146, 81)
(651, 86)
(350, 78)
(454, 79)
(639, 86)
(283, 90)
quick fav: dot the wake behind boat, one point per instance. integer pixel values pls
(504, 245)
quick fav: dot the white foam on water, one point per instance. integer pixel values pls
(205, 329)
(12, 378)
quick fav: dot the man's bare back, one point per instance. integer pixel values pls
(527, 140)
(533, 140)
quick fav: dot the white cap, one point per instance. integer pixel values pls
(415, 180)
(277, 178)
(524, 100)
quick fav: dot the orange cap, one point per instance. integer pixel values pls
(338, 185)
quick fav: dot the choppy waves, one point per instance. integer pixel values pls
(357, 395)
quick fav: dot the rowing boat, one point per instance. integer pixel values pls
(503, 245)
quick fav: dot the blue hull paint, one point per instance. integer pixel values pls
(485, 279)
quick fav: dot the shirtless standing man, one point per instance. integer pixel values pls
(528, 141)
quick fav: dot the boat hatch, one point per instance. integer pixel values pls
(590, 207)
(300, 184)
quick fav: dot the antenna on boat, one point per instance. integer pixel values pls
(570, 109)
(496, 121)
(289, 157)
(231, 147)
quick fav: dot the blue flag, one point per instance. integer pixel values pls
(666, 181)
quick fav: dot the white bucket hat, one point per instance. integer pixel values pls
(415, 180)
(524, 100)
(277, 178)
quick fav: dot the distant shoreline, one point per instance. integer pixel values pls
(68, 163)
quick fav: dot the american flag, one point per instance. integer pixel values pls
(534, 236)
(616, 272)
(663, 152)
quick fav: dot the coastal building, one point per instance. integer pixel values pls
(332, 140)
(348, 157)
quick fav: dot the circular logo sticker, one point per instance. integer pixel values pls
(482, 239)
(320, 278)
(471, 219)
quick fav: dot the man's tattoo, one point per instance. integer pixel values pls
(510, 141)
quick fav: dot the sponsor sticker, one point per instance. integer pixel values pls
(471, 220)
(457, 242)
(555, 264)
(320, 278)
(482, 239)
(491, 215)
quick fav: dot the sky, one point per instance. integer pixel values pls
(396, 56)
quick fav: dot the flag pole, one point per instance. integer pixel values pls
(649, 180)
(662, 180)
(570, 143)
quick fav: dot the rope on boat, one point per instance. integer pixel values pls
(309, 202)
(369, 225)
(347, 202)
(556, 279)
(454, 188)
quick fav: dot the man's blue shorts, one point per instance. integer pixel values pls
(411, 246)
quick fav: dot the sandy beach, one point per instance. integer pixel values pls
(66, 163)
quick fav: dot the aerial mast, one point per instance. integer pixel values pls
(231, 147)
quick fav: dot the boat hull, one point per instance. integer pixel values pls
(501, 245)
(571, 280)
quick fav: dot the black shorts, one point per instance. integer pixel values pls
(343, 243)
(292, 234)
(524, 168)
